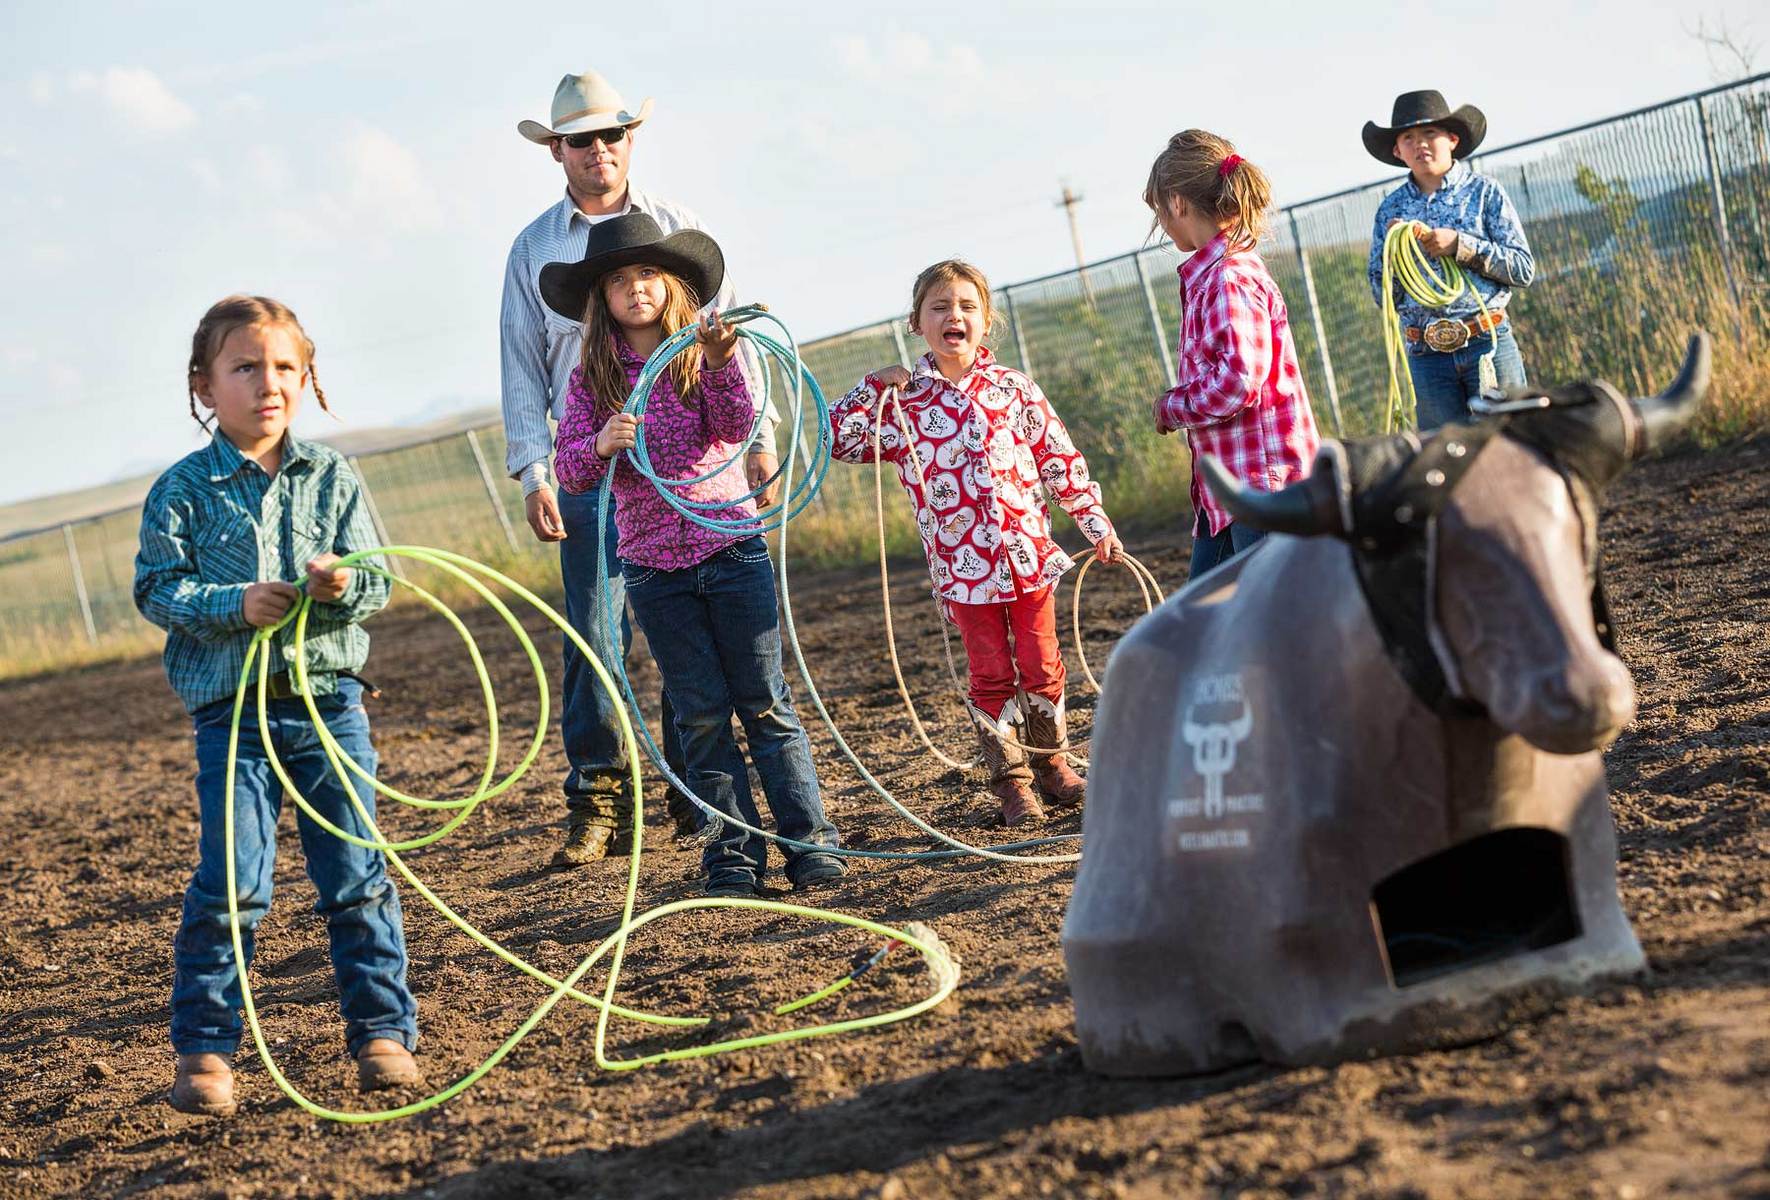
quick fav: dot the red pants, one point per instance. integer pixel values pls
(1010, 646)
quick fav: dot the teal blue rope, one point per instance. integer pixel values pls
(766, 520)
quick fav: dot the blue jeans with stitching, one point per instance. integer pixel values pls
(354, 895)
(714, 631)
(597, 770)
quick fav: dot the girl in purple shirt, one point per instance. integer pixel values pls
(704, 597)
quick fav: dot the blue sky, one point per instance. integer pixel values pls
(360, 162)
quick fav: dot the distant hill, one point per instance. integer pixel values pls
(45, 511)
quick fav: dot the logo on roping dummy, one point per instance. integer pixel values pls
(1215, 726)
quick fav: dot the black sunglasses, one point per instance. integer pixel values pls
(608, 137)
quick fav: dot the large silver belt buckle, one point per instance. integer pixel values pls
(1445, 335)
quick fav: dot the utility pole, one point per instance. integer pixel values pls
(1068, 205)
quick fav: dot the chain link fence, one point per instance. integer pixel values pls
(1644, 225)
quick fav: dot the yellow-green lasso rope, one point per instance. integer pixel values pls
(1405, 262)
(940, 963)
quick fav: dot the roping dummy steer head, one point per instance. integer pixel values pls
(1347, 795)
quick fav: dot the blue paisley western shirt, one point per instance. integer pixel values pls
(217, 523)
(1491, 246)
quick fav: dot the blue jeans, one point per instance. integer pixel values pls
(1213, 550)
(1445, 383)
(355, 896)
(597, 770)
(715, 633)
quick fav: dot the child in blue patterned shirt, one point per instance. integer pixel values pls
(221, 534)
(1453, 351)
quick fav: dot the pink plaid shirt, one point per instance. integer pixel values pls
(1240, 394)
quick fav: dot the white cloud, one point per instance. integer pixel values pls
(385, 182)
(269, 168)
(138, 97)
(909, 53)
(909, 58)
(242, 104)
(966, 60)
(206, 174)
(64, 381)
(41, 88)
(297, 227)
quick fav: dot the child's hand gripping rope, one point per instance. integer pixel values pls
(1408, 250)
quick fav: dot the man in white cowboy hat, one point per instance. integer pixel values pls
(1454, 352)
(591, 135)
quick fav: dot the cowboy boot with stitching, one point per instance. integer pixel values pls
(204, 1085)
(1010, 779)
(1046, 725)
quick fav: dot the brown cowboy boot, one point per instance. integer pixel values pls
(385, 1063)
(1010, 779)
(585, 842)
(594, 821)
(1046, 725)
(204, 1085)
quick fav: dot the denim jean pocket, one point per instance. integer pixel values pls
(750, 550)
(637, 577)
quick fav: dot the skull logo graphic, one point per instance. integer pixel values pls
(1213, 751)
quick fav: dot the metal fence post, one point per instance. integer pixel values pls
(1155, 320)
(1019, 337)
(903, 348)
(1719, 203)
(362, 482)
(1321, 344)
(485, 477)
(67, 533)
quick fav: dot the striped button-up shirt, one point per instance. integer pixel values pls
(215, 524)
(539, 348)
(1240, 394)
(1490, 243)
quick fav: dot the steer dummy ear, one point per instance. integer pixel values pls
(1320, 504)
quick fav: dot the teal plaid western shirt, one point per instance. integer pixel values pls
(215, 524)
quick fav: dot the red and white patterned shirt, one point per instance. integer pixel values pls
(986, 443)
(1239, 393)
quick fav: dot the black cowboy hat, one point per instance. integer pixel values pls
(1425, 108)
(621, 242)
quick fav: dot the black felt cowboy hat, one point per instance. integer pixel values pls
(1425, 108)
(625, 240)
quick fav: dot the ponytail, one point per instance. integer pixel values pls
(1205, 170)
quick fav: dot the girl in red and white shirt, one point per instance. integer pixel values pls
(1238, 390)
(985, 439)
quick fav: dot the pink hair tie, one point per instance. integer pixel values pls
(1229, 163)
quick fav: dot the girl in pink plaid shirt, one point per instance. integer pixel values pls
(1238, 393)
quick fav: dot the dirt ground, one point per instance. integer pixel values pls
(1656, 1086)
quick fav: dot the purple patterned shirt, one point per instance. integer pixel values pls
(684, 440)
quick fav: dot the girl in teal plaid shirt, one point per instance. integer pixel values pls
(222, 534)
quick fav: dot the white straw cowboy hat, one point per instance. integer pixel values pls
(582, 103)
